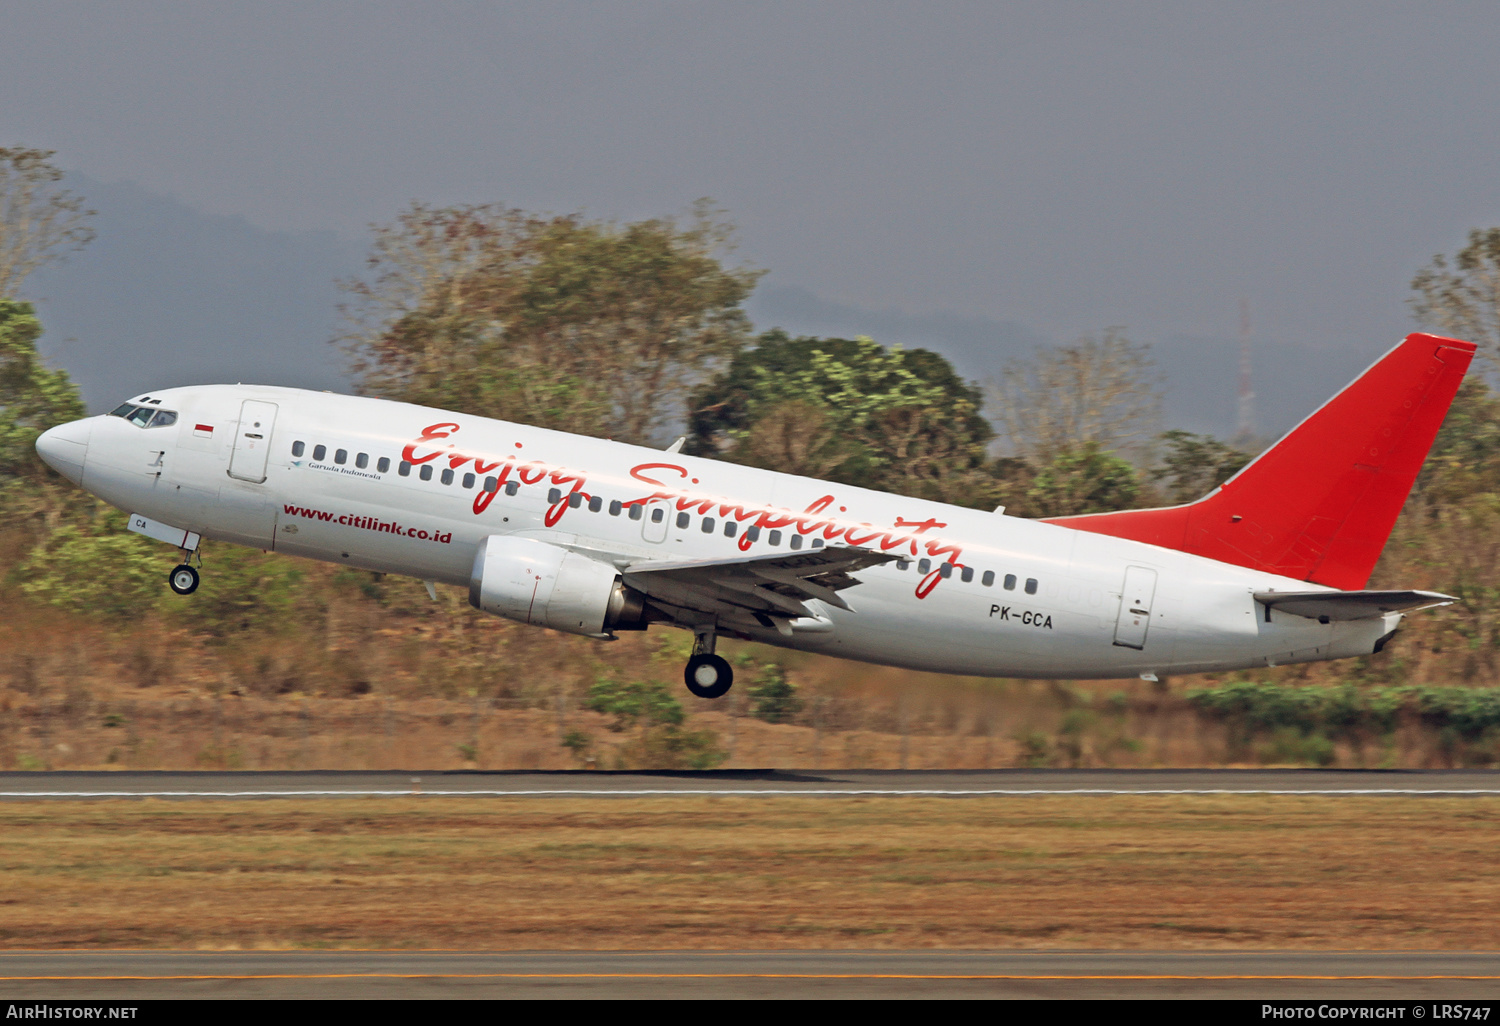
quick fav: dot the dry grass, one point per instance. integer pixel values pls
(1148, 872)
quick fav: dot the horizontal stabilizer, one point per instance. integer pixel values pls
(1350, 605)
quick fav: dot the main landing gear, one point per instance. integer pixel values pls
(707, 675)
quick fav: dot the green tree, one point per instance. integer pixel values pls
(1465, 457)
(849, 410)
(1192, 465)
(589, 326)
(101, 568)
(33, 397)
(1088, 480)
(40, 222)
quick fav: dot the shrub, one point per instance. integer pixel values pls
(668, 746)
(629, 702)
(774, 698)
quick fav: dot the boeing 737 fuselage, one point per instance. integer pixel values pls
(593, 537)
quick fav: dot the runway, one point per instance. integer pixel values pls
(764, 783)
(1259, 975)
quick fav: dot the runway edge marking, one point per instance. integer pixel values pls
(760, 792)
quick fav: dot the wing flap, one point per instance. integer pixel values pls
(778, 584)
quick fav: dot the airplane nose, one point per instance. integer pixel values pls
(63, 448)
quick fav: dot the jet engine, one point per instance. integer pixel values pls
(537, 583)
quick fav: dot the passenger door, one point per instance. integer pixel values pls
(654, 526)
(1135, 607)
(252, 441)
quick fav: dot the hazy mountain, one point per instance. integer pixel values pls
(1201, 374)
(167, 295)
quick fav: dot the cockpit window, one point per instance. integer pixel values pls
(144, 416)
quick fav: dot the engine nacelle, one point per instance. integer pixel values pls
(537, 583)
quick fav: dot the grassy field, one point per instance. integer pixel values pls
(1147, 872)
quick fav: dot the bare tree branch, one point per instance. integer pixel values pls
(1096, 391)
(40, 222)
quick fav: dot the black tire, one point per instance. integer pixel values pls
(183, 579)
(708, 676)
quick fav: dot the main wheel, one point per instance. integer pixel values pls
(708, 676)
(183, 579)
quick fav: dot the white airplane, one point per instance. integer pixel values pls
(593, 537)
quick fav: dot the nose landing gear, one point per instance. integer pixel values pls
(183, 579)
(707, 675)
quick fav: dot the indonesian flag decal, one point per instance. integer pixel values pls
(204, 430)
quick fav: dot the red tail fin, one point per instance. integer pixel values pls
(1320, 503)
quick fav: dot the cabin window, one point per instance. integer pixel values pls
(1031, 585)
(298, 448)
(447, 475)
(362, 460)
(554, 496)
(753, 532)
(731, 528)
(426, 472)
(492, 484)
(1010, 582)
(163, 418)
(945, 570)
(817, 543)
(575, 499)
(615, 507)
(773, 538)
(469, 480)
(511, 487)
(319, 451)
(383, 464)
(405, 469)
(595, 504)
(708, 525)
(637, 511)
(902, 564)
(683, 520)
(967, 575)
(795, 541)
(924, 566)
(988, 579)
(341, 456)
(658, 515)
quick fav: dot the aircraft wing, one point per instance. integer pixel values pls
(1350, 605)
(770, 588)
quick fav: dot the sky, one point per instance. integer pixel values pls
(978, 177)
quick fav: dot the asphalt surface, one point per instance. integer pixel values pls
(769, 783)
(1260, 975)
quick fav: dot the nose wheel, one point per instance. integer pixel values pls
(183, 579)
